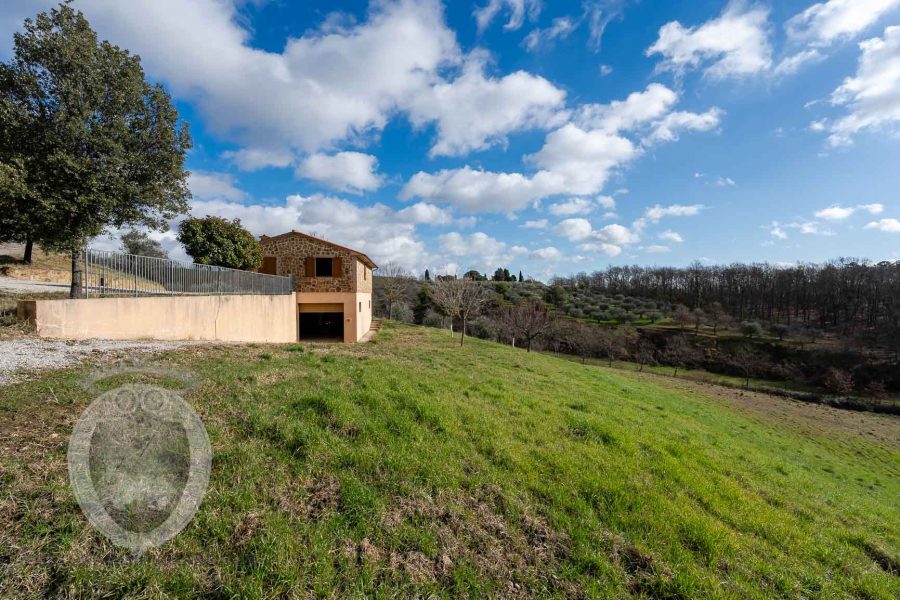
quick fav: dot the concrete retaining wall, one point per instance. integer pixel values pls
(262, 319)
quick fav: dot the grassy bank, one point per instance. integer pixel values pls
(411, 467)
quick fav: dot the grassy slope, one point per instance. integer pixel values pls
(410, 466)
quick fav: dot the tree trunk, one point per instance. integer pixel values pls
(75, 289)
(29, 246)
(675, 374)
(462, 332)
(641, 370)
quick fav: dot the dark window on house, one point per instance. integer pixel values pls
(360, 307)
(324, 267)
(269, 266)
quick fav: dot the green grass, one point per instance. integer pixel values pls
(411, 467)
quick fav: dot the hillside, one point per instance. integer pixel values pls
(412, 467)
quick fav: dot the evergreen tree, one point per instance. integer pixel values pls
(217, 241)
(86, 142)
(423, 303)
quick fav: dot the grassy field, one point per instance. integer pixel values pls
(410, 467)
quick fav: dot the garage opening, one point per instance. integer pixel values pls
(323, 322)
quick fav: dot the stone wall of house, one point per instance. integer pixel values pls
(291, 252)
(363, 278)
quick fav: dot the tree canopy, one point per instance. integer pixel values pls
(220, 242)
(139, 243)
(86, 143)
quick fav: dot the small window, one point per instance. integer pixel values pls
(360, 307)
(324, 267)
(269, 266)
(370, 304)
(365, 273)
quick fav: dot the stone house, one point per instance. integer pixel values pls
(333, 284)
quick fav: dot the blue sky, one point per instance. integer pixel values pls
(551, 137)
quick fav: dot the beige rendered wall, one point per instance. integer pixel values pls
(356, 323)
(364, 318)
(262, 319)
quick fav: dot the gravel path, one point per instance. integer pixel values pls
(18, 357)
(9, 284)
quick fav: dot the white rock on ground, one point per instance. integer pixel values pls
(19, 357)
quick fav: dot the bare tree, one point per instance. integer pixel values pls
(699, 318)
(681, 315)
(748, 361)
(579, 338)
(459, 298)
(394, 281)
(645, 353)
(716, 316)
(559, 335)
(611, 342)
(529, 321)
(678, 353)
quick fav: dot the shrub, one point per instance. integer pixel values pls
(433, 319)
(877, 390)
(751, 329)
(838, 381)
(403, 313)
(779, 330)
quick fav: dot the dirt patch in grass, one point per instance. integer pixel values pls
(324, 494)
(479, 530)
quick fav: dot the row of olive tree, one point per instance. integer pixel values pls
(846, 295)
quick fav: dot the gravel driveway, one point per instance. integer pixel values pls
(8, 284)
(20, 356)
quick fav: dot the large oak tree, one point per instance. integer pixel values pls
(87, 142)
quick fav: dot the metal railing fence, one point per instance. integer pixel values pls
(108, 273)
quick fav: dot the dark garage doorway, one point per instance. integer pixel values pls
(322, 326)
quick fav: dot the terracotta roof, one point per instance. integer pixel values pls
(365, 259)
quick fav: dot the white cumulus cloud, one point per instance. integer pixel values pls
(825, 22)
(731, 45)
(885, 225)
(204, 185)
(573, 206)
(474, 111)
(872, 96)
(254, 159)
(535, 224)
(657, 212)
(352, 172)
(549, 253)
(671, 236)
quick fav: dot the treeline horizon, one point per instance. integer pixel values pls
(844, 292)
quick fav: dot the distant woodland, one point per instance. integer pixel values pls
(832, 327)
